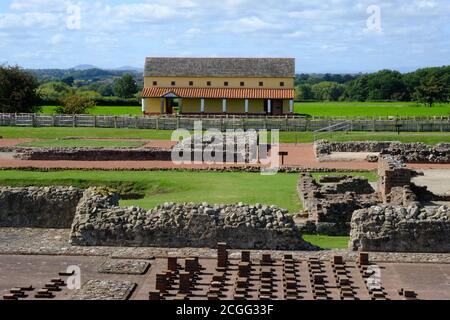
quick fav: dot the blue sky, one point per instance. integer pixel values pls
(324, 36)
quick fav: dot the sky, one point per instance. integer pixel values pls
(335, 36)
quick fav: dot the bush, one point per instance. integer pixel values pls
(76, 104)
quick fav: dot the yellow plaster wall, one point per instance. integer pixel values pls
(201, 82)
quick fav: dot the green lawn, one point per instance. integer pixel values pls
(165, 186)
(370, 175)
(60, 133)
(327, 242)
(72, 143)
(350, 109)
(285, 137)
(370, 109)
(425, 137)
(104, 111)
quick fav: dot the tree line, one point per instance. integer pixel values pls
(426, 86)
(21, 91)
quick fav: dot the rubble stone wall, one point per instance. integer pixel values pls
(93, 154)
(35, 207)
(100, 222)
(406, 152)
(389, 228)
(330, 207)
(392, 173)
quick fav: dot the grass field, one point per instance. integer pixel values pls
(164, 186)
(370, 109)
(103, 111)
(285, 137)
(350, 109)
(72, 143)
(327, 242)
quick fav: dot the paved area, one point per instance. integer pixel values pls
(308, 279)
(437, 181)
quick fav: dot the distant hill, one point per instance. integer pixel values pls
(79, 73)
(85, 67)
(128, 68)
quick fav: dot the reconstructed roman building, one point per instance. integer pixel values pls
(256, 86)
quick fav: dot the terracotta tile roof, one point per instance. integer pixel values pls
(219, 67)
(220, 93)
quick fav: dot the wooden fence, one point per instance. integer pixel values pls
(285, 123)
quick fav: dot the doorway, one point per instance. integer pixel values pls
(277, 107)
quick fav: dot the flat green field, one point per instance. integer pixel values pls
(327, 242)
(165, 186)
(285, 137)
(103, 111)
(369, 109)
(350, 109)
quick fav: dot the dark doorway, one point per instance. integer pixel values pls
(171, 104)
(277, 107)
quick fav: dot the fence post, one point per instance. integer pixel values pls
(74, 121)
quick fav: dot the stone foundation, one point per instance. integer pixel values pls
(330, 207)
(100, 222)
(401, 229)
(406, 152)
(34, 207)
(92, 154)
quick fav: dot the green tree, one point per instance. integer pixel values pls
(54, 92)
(432, 91)
(76, 104)
(328, 91)
(387, 85)
(68, 80)
(125, 87)
(17, 90)
(304, 92)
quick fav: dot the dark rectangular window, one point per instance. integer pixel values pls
(225, 83)
(282, 84)
(208, 83)
(191, 83)
(261, 84)
(155, 83)
(173, 83)
(242, 84)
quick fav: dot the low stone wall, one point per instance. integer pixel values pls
(330, 207)
(324, 147)
(34, 207)
(419, 153)
(100, 222)
(401, 229)
(406, 152)
(92, 154)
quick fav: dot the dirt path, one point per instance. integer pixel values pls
(13, 142)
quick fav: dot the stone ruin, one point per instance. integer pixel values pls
(402, 223)
(38, 207)
(331, 202)
(405, 152)
(229, 147)
(99, 221)
(90, 154)
(389, 228)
